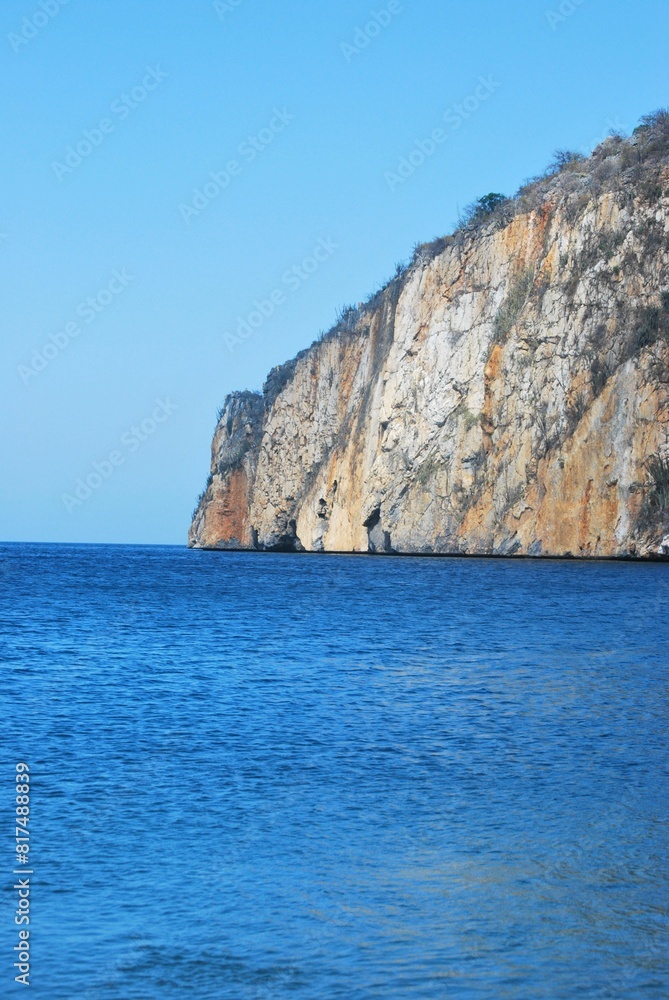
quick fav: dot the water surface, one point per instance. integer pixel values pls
(316, 777)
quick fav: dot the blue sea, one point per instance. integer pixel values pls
(290, 776)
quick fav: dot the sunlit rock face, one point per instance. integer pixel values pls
(508, 393)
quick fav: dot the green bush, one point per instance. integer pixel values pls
(658, 469)
(509, 312)
(468, 417)
(652, 325)
(429, 469)
(482, 209)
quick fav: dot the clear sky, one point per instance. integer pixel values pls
(122, 288)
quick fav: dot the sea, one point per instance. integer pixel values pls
(260, 776)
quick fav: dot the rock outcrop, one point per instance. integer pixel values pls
(506, 393)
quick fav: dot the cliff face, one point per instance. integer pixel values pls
(508, 393)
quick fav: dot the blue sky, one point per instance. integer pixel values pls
(122, 287)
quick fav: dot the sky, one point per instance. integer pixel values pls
(190, 191)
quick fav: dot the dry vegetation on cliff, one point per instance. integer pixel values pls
(626, 166)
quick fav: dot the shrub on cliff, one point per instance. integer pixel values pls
(652, 324)
(658, 469)
(652, 135)
(346, 318)
(509, 312)
(655, 120)
(482, 209)
(202, 495)
(565, 159)
(423, 253)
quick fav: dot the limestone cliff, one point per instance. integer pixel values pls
(506, 393)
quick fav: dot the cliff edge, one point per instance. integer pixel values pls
(506, 393)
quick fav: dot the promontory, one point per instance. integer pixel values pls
(506, 392)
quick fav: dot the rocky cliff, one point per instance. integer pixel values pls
(506, 393)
